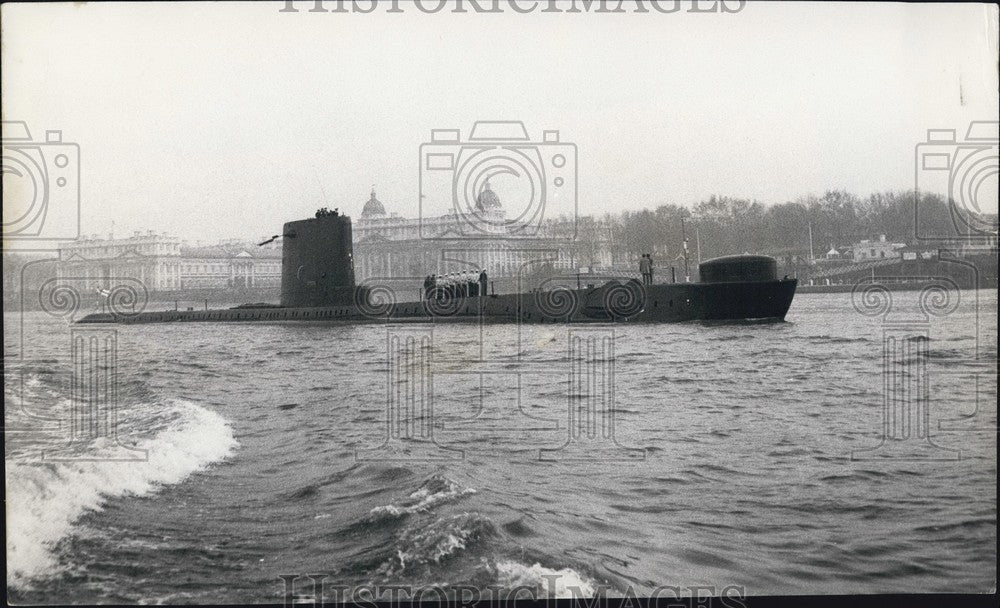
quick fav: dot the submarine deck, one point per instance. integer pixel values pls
(616, 301)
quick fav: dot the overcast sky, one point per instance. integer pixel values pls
(226, 120)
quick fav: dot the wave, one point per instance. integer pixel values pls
(44, 500)
(547, 582)
(33, 389)
(437, 541)
(735, 337)
(971, 523)
(623, 410)
(436, 489)
(471, 543)
(828, 339)
(946, 353)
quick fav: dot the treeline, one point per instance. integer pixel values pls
(724, 225)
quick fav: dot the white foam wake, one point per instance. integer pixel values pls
(45, 499)
(440, 540)
(435, 490)
(548, 582)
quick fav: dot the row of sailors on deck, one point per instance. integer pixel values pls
(462, 284)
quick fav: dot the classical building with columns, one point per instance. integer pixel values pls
(165, 263)
(387, 246)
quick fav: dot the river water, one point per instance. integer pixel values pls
(605, 458)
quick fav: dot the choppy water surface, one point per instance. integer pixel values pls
(745, 433)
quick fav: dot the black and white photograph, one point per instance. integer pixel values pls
(372, 302)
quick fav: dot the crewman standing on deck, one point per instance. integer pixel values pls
(644, 269)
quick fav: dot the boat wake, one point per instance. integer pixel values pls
(46, 499)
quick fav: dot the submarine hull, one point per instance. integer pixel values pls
(617, 301)
(318, 283)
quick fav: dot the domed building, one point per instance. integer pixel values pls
(373, 208)
(488, 202)
(387, 246)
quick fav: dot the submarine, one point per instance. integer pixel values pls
(318, 284)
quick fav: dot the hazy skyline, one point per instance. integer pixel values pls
(226, 120)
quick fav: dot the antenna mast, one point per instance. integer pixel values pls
(684, 238)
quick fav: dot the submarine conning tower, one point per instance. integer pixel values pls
(317, 261)
(738, 268)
